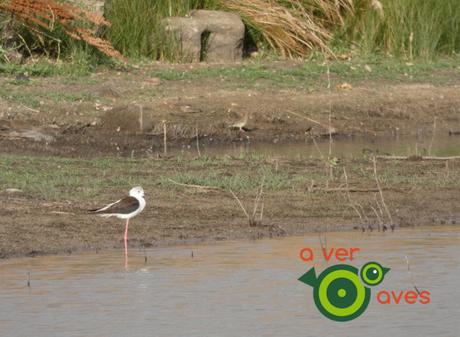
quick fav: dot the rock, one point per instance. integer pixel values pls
(20, 130)
(133, 119)
(225, 40)
(13, 190)
(35, 134)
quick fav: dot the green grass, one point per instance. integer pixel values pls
(24, 93)
(18, 95)
(137, 29)
(47, 68)
(312, 74)
(408, 29)
(52, 178)
(309, 76)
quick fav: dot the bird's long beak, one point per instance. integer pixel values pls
(385, 270)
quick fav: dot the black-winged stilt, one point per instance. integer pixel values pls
(125, 208)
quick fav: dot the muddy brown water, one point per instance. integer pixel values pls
(342, 147)
(229, 289)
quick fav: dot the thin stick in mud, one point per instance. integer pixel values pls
(387, 211)
(198, 143)
(352, 205)
(165, 138)
(329, 157)
(252, 219)
(432, 137)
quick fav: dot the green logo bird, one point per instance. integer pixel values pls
(339, 292)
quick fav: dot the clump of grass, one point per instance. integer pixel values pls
(46, 46)
(133, 24)
(137, 28)
(293, 27)
(407, 28)
(79, 63)
(47, 21)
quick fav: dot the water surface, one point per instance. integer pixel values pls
(440, 145)
(228, 289)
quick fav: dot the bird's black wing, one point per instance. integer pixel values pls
(124, 206)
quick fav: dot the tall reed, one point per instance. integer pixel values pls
(137, 29)
(406, 28)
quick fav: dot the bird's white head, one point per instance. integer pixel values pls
(137, 192)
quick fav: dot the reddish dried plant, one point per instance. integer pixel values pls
(78, 23)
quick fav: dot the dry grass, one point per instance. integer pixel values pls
(292, 32)
(43, 16)
(294, 27)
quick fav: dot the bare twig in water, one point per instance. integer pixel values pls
(382, 199)
(318, 149)
(432, 137)
(327, 163)
(379, 219)
(411, 276)
(28, 279)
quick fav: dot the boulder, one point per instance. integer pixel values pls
(224, 34)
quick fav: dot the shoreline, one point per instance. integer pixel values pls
(190, 200)
(184, 244)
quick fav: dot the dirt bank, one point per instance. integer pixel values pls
(114, 112)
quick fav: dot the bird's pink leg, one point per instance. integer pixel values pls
(126, 243)
(126, 233)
